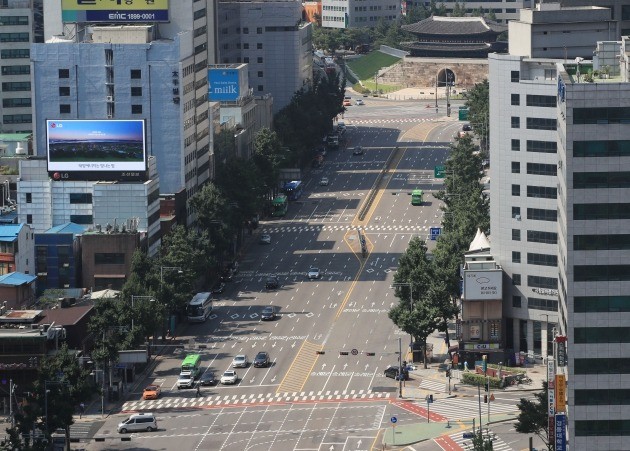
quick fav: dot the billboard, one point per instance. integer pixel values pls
(223, 85)
(483, 285)
(114, 11)
(96, 145)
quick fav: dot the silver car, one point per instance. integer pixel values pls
(323, 181)
(240, 361)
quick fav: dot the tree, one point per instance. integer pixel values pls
(268, 158)
(478, 101)
(459, 10)
(481, 443)
(214, 217)
(534, 417)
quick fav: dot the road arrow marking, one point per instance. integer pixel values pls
(323, 366)
(293, 345)
(345, 365)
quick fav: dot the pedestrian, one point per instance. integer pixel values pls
(81, 410)
(198, 390)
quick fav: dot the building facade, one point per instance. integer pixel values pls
(58, 257)
(503, 10)
(272, 39)
(355, 13)
(17, 247)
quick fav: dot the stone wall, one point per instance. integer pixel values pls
(422, 72)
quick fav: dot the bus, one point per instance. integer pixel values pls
(293, 189)
(192, 365)
(199, 308)
(280, 205)
(416, 197)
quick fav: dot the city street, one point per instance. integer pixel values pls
(332, 340)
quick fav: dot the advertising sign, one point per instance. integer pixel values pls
(551, 400)
(483, 285)
(114, 11)
(551, 374)
(96, 145)
(223, 85)
(560, 438)
(475, 332)
(561, 393)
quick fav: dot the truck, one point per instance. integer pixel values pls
(332, 141)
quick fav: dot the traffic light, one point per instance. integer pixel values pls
(370, 354)
(343, 352)
(320, 352)
(485, 399)
(486, 385)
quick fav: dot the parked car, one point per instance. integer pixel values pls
(357, 150)
(272, 283)
(218, 288)
(467, 127)
(359, 102)
(240, 361)
(138, 422)
(261, 360)
(229, 377)
(313, 273)
(265, 239)
(347, 103)
(323, 181)
(152, 392)
(393, 371)
(207, 378)
(268, 313)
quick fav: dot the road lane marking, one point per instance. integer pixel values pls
(300, 368)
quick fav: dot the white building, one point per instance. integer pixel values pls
(45, 203)
(358, 13)
(504, 10)
(17, 240)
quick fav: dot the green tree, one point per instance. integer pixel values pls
(416, 14)
(459, 10)
(481, 443)
(268, 158)
(478, 103)
(534, 417)
(214, 217)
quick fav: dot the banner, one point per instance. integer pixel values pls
(114, 11)
(560, 438)
(561, 393)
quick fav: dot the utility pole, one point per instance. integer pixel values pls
(400, 368)
(11, 402)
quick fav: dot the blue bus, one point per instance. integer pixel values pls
(293, 189)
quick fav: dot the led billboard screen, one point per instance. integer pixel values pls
(483, 285)
(96, 145)
(223, 85)
(114, 11)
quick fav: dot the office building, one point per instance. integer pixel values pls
(503, 10)
(620, 12)
(355, 13)
(58, 257)
(272, 39)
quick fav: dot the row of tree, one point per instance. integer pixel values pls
(427, 286)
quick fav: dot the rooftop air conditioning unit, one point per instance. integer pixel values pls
(517, 217)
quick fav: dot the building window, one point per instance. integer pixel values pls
(516, 279)
(260, 73)
(29, 198)
(550, 283)
(81, 219)
(542, 259)
(14, 86)
(516, 167)
(516, 99)
(542, 169)
(136, 109)
(602, 304)
(607, 180)
(109, 258)
(135, 74)
(246, 59)
(515, 76)
(516, 122)
(64, 108)
(605, 115)
(516, 190)
(259, 46)
(41, 258)
(136, 91)
(548, 305)
(259, 30)
(516, 144)
(601, 242)
(601, 148)
(600, 211)
(245, 46)
(16, 102)
(516, 234)
(260, 88)
(540, 214)
(516, 211)
(595, 335)
(535, 236)
(544, 146)
(16, 70)
(516, 301)
(64, 73)
(516, 257)
(542, 101)
(540, 123)
(80, 198)
(14, 53)
(64, 91)
(260, 59)
(14, 37)
(13, 20)
(543, 192)
(29, 219)
(245, 30)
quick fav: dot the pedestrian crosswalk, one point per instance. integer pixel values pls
(433, 385)
(254, 399)
(466, 408)
(343, 228)
(390, 121)
(466, 443)
(84, 430)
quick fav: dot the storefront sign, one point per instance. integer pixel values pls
(475, 332)
(481, 346)
(551, 374)
(561, 432)
(561, 393)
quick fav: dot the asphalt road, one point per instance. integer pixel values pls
(306, 399)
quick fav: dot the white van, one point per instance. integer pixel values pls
(138, 422)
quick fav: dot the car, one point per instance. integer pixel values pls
(265, 239)
(347, 97)
(467, 128)
(229, 377)
(152, 392)
(359, 102)
(393, 371)
(347, 103)
(357, 150)
(268, 313)
(218, 288)
(240, 361)
(341, 126)
(366, 94)
(272, 283)
(207, 378)
(185, 380)
(261, 360)
(313, 273)
(323, 181)
(138, 422)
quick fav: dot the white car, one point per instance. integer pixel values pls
(185, 380)
(240, 361)
(323, 181)
(359, 102)
(229, 377)
(313, 273)
(265, 239)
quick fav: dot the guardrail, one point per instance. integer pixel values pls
(372, 194)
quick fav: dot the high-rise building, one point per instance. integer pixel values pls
(121, 71)
(355, 13)
(270, 36)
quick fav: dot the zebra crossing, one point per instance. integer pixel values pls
(465, 408)
(253, 399)
(344, 228)
(433, 385)
(466, 444)
(390, 121)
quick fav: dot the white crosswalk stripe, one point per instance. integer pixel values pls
(433, 385)
(465, 408)
(334, 228)
(497, 443)
(210, 401)
(390, 121)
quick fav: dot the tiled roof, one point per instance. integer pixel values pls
(16, 279)
(65, 316)
(68, 227)
(454, 26)
(9, 232)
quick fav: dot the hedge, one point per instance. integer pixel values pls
(480, 379)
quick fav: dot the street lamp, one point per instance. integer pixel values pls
(102, 373)
(140, 298)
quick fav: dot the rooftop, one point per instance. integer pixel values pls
(455, 26)
(16, 279)
(10, 232)
(68, 227)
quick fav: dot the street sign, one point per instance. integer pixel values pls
(434, 232)
(355, 352)
(438, 171)
(468, 435)
(393, 419)
(561, 432)
(463, 114)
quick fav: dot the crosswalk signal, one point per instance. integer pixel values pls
(486, 386)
